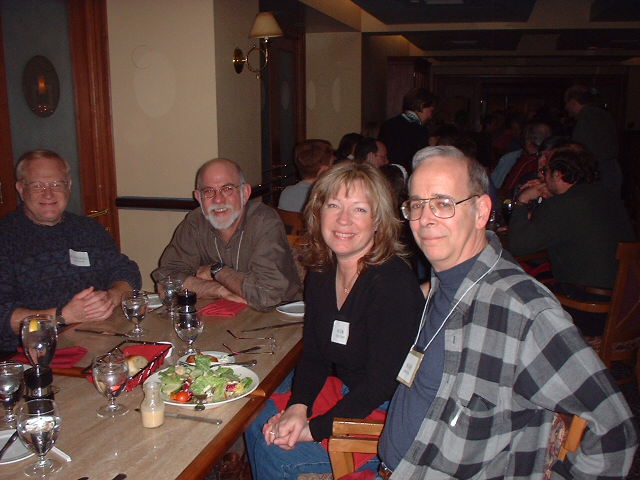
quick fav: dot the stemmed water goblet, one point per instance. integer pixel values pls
(109, 377)
(11, 385)
(188, 326)
(39, 339)
(38, 425)
(169, 288)
(134, 307)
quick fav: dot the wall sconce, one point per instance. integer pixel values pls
(264, 27)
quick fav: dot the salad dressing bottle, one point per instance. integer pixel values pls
(152, 407)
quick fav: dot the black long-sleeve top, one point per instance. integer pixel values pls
(383, 311)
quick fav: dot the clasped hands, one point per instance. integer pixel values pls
(288, 427)
(533, 189)
(89, 305)
(204, 273)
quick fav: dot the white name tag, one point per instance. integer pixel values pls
(340, 333)
(410, 367)
(79, 259)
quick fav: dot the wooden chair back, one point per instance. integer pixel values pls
(354, 435)
(293, 222)
(622, 329)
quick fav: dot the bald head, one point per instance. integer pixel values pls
(234, 168)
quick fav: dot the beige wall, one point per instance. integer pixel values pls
(333, 73)
(166, 117)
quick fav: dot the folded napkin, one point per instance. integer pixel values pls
(64, 357)
(223, 308)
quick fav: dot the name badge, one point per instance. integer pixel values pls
(340, 332)
(410, 367)
(79, 259)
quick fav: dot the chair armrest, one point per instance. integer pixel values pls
(592, 307)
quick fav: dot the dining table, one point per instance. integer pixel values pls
(102, 448)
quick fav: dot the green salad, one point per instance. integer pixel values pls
(181, 382)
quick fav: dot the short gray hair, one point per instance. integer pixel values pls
(478, 179)
(36, 154)
(204, 166)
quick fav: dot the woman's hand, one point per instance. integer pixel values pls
(287, 428)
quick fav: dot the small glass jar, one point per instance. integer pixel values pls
(152, 407)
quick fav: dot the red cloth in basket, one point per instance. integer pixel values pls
(328, 397)
(223, 308)
(64, 357)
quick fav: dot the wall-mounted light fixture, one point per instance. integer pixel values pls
(264, 27)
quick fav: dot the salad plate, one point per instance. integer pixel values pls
(236, 376)
(221, 356)
(16, 452)
(295, 309)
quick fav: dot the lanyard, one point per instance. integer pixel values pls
(237, 265)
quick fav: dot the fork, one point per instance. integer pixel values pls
(248, 351)
(247, 338)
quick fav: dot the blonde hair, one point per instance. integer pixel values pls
(317, 254)
(36, 154)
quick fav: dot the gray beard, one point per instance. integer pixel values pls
(218, 224)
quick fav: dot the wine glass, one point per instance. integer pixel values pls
(38, 425)
(109, 377)
(134, 306)
(11, 382)
(188, 326)
(169, 288)
(39, 339)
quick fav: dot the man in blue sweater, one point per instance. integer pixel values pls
(53, 261)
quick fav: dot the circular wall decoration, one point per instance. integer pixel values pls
(41, 86)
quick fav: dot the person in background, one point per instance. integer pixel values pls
(231, 247)
(346, 147)
(595, 128)
(362, 302)
(495, 355)
(371, 151)
(51, 260)
(407, 133)
(579, 225)
(312, 158)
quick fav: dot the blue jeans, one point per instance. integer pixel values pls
(270, 462)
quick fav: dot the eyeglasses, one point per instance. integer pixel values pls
(542, 171)
(39, 187)
(226, 191)
(441, 206)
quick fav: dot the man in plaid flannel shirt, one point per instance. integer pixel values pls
(496, 355)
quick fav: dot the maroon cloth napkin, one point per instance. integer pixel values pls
(223, 308)
(64, 357)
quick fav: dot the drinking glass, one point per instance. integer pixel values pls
(39, 339)
(109, 377)
(134, 306)
(11, 383)
(169, 288)
(188, 326)
(38, 427)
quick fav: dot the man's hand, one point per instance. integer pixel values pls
(210, 288)
(88, 305)
(204, 272)
(533, 189)
(287, 428)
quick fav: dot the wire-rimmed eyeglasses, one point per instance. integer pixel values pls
(225, 190)
(57, 186)
(441, 206)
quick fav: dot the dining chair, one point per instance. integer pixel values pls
(354, 435)
(621, 337)
(293, 222)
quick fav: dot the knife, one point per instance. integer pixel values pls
(182, 416)
(280, 325)
(6, 446)
(102, 332)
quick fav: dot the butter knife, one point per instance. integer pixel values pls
(280, 325)
(102, 332)
(182, 416)
(6, 446)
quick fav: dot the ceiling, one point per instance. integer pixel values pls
(450, 30)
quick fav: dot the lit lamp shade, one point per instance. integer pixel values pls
(265, 26)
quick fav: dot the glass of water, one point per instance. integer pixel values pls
(134, 307)
(38, 425)
(168, 290)
(110, 375)
(11, 384)
(188, 326)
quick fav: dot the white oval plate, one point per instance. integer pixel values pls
(16, 452)
(295, 309)
(241, 371)
(221, 356)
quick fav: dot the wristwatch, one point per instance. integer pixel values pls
(60, 322)
(215, 268)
